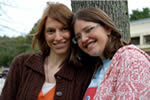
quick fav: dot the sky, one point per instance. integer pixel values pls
(23, 14)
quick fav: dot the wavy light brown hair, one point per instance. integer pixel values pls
(99, 16)
(56, 11)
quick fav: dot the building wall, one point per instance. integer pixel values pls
(140, 30)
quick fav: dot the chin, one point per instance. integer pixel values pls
(61, 52)
(93, 53)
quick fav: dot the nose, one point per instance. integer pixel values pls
(84, 37)
(58, 36)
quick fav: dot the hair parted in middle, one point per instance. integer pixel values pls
(56, 11)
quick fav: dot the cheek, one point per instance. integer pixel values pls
(49, 38)
(105, 39)
(81, 46)
(101, 37)
(67, 35)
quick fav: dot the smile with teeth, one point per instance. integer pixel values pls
(59, 45)
(90, 45)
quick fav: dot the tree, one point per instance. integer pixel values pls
(117, 10)
(136, 14)
(11, 47)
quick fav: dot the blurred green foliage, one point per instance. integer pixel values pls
(13, 46)
(136, 14)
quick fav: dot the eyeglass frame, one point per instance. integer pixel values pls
(87, 31)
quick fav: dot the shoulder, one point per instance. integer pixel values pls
(24, 59)
(27, 55)
(131, 52)
(21, 58)
(130, 57)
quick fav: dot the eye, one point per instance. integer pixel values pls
(89, 29)
(65, 29)
(50, 31)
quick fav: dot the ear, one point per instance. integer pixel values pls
(108, 30)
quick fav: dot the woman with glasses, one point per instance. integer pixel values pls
(53, 73)
(125, 70)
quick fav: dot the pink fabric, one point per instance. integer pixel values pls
(128, 77)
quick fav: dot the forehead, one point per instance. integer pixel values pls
(82, 22)
(80, 25)
(50, 22)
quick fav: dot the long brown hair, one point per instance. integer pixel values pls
(56, 11)
(99, 16)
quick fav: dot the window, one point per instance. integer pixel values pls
(147, 39)
(135, 40)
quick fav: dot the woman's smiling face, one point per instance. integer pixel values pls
(57, 36)
(92, 37)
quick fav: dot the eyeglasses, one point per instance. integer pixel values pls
(86, 31)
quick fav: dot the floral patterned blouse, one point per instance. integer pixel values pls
(128, 76)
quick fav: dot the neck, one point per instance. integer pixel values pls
(102, 57)
(55, 60)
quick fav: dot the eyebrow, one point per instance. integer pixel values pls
(49, 27)
(86, 27)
